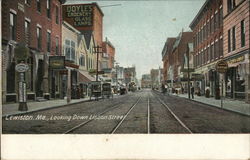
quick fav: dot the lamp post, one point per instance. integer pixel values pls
(188, 72)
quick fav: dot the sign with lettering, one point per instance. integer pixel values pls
(221, 66)
(57, 62)
(79, 15)
(22, 67)
(236, 60)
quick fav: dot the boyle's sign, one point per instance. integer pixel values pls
(221, 66)
(78, 15)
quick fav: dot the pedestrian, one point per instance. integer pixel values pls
(192, 92)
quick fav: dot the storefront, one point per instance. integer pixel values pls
(237, 76)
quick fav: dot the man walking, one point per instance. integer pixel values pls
(192, 92)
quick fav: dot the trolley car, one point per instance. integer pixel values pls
(106, 90)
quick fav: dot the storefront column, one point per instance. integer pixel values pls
(247, 83)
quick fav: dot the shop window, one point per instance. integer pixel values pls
(243, 36)
(233, 39)
(12, 26)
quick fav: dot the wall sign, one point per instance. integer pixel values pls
(221, 66)
(57, 62)
(78, 15)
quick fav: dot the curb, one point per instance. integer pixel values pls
(42, 109)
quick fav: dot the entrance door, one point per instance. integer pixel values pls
(40, 73)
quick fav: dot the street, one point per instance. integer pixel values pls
(140, 112)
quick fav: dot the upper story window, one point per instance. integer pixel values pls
(12, 26)
(27, 2)
(69, 50)
(27, 31)
(39, 37)
(57, 15)
(233, 39)
(48, 8)
(48, 41)
(230, 5)
(57, 46)
(82, 60)
(38, 5)
(243, 30)
(229, 40)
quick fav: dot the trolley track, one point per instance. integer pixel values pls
(173, 114)
(79, 126)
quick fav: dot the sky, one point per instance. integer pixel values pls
(139, 28)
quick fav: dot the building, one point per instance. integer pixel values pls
(166, 58)
(207, 29)
(155, 78)
(31, 33)
(236, 48)
(146, 81)
(129, 75)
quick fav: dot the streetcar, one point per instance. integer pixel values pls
(95, 89)
(132, 87)
(106, 90)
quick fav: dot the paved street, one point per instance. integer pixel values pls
(142, 112)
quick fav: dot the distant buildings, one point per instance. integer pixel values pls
(146, 81)
(129, 75)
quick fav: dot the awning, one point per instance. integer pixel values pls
(85, 77)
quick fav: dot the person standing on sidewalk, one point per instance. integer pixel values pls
(192, 91)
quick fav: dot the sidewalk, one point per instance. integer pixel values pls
(12, 109)
(228, 104)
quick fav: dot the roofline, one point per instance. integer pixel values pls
(98, 7)
(198, 14)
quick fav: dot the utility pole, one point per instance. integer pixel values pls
(97, 51)
(188, 72)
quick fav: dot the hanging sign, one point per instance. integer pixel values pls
(221, 66)
(22, 67)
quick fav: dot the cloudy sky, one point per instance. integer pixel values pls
(139, 28)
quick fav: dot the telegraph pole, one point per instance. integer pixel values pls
(97, 51)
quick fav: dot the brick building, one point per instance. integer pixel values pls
(166, 58)
(146, 81)
(207, 29)
(236, 48)
(36, 25)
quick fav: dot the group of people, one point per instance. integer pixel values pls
(165, 89)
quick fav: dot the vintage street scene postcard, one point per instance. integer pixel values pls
(136, 67)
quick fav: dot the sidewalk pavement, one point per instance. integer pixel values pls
(12, 109)
(228, 104)
(33, 106)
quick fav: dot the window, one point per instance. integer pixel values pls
(39, 37)
(57, 15)
(216, 50)
(38, 5)
(221, 47)
(48, 41)
(57, 46)
(243, 37)
(233, 39)
(208, 53)
(212, 25)
(48, 8)
(216, 21)
(27, 31)
(208, 28)
(82, 60)
(230, 5)
(221, 17)
(12, 26)
(27, 2)
(212, 52)
(229, 40)
(70, 50)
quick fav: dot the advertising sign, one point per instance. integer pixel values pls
(57, 62)
(22, 67)
(78, 15)
(221, 66)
